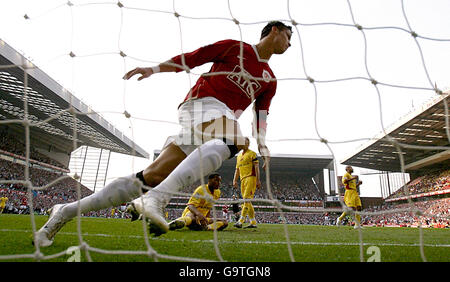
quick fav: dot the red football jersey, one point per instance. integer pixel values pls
(225, 208)
(231, 88)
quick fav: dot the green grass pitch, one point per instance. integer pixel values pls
(267, 243)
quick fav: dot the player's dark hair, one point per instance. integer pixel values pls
(212, 175)
(266, 30)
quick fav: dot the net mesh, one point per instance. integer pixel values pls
(121, 50)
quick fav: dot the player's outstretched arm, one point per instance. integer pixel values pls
(262, 148)
(147, 72)
(264, 151)
(259, 132)
(258, 180)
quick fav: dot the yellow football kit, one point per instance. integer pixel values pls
(351, 197)
(203, 205)
(246, 163)
(3, 201)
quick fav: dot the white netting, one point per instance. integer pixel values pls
(125, 20)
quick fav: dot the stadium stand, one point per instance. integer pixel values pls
(61, 192)
(429, 188)
(428, 193)
(51, 140)
(436, 214)
(14, 147)
(437, 181)
(286, 188)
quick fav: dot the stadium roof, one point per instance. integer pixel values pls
(48, 104)
(425, 126)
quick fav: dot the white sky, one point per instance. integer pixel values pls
(346, 110)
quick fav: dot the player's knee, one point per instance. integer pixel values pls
(153, 178)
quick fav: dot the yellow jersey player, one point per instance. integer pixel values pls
(197, 215)
(247, 169)
(3, 201)
(351, 197)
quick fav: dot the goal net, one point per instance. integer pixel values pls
(354, 68)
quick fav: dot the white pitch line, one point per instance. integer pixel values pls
(243, 242)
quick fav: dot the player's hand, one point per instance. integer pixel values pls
(258, 184)
(234, 184)
(144, 72)
(265, 153)
(263, 150)
(201, 220)
(266, 162)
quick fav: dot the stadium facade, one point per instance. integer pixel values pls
(52, 111)
(415, 146)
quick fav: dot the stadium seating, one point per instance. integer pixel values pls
(11, 145)
(434, 181)
(61, 192)
(283, 188)
(435, 214)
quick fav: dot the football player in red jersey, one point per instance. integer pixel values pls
(210, 133)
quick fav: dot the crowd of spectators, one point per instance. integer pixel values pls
(282, 188)
(62, 191)
(433, 213)
(296, 218)
(431, 182)
(13, 146)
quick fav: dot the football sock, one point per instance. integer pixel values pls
(251, 210)
(358, 219)
(244, 213)
(210, 154)
(121, 190)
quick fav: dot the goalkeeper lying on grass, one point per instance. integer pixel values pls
(197, 214)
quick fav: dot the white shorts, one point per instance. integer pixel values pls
(193, 113)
